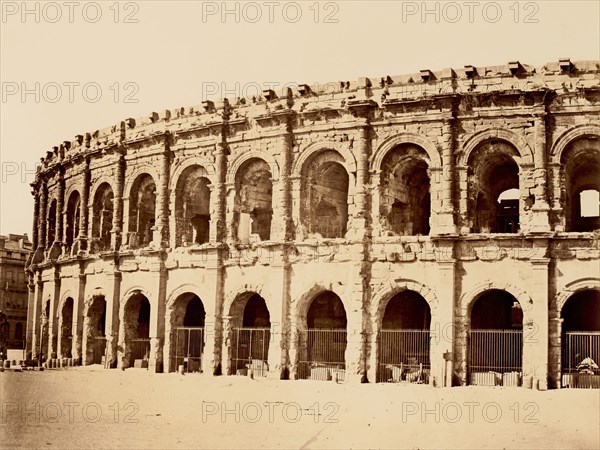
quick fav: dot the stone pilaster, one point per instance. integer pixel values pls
(441, 178)
(80, 243)
(281, 225)
(37, 317)
(77, 326)
(161, 237)
(157, 321)
(112, 317)
(53, 316)
(36, 218)
(555, 192)
(117, 225)
(59, 237)
(41, 224)
(359, 319)
(442, 319)
(535, 329)
(540, 209)
(31, 305)
(215, 352)
(466, 216)
(555, 349)
(296, 347)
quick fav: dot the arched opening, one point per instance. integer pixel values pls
(51, 223)
(581, 340)
(19, 331)
(494, 188)
(323, 346)
(94, 331)
(324, 207)
(103, 210)
(187, 333)
(581, 171)
(405, 200)
(404, 339)
(251, 333)
(73, 217)
(142, 208)
(137, 331)
(253, 201)
(496, 340)
(65, 327)
(192, 207)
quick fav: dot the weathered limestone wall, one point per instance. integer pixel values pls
(424, 160)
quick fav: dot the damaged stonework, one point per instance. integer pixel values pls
(384, 232)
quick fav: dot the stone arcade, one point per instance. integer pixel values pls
(427, 227)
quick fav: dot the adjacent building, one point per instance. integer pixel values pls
(14, 252)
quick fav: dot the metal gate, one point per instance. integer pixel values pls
(496, 357)
(250, 350)
(189, 346)
(322, 355)
(580, 358)
(98, 349)
(140, 349)
(404, 356)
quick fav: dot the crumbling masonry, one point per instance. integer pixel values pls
(439, 202)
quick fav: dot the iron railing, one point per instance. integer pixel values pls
(140, 349)
(496, 357)
(580, 358)
(322, 354)
(188, 348)
(404, 356)
(250, 350)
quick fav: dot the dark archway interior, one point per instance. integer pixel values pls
(494, 171)
(97, 313)
(142, 211)
(103, 209)
(194, 313)
(253, 201)
(405, 190)
(325, 184)
(73, 217)
(407, 310)
(256, 313)
(496, 310)
(582, 312)
(66, 327)
(326, 311)
(143, 327)
(192, 207)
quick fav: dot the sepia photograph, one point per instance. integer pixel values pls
(302, 224)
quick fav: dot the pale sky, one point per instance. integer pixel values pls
(173, 55)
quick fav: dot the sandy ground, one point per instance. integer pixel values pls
(89, 407)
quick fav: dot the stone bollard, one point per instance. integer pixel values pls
(7, 364)
(69, 362)
(180, 369)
